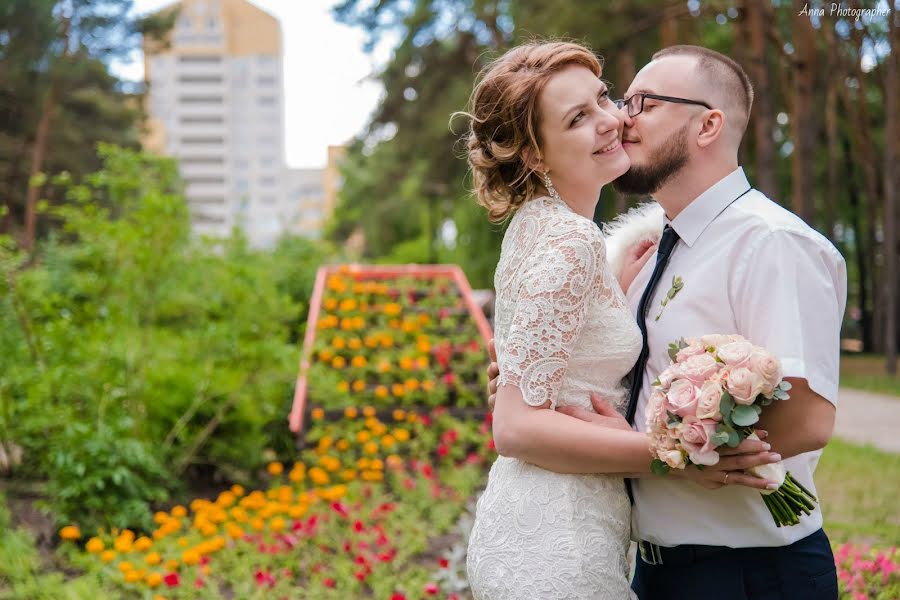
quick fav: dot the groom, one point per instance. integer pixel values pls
(744, 265)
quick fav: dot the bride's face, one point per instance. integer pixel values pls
(581, 131)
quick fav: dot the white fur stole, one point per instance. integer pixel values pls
(642, 223)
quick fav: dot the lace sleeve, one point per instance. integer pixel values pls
(554, 292)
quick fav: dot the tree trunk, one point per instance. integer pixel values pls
(668, 30)
(860, 251)
(38, 153)
(803, 117)
(763, 105)
(626, 69)
(832, 140)
(891, 253)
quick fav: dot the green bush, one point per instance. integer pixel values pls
(177, 354)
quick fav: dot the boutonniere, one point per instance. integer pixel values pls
(677, 284)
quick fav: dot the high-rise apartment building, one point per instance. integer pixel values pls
(216, 103)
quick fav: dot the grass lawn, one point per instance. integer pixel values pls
(867, 372)
(859, 487)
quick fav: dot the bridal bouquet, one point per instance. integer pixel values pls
(711, 395)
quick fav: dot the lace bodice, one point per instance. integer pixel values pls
(563, 328)
(562, 331)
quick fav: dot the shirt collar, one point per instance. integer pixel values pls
(696, 216)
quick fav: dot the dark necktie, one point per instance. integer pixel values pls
(669, 237)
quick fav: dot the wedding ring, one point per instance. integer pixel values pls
(725, 481)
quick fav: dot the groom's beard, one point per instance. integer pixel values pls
(665, 163)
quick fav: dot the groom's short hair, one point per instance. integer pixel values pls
(724, 74)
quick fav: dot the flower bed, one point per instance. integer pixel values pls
(355, 516)
(408, 337)
(866, 573)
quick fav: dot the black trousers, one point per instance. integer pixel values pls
(804, 570)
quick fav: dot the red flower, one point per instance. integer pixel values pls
(296, 526)
(172, 579)
(264, 578)
(449, 436)
(360, 560)
(431, 588)
(489, 418)
(329, 583)
(491, 445)
(409, 484)
(427, 471)
(473, 458)
(443, 450)
(397, 596)
(339, 509)
(360, 575)
(444, 563)
(358, 526)
(198, 583)
(449, 379)
(347, 547)
(204, 560)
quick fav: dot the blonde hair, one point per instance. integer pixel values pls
(504, 122)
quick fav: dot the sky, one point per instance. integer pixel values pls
(328, 95)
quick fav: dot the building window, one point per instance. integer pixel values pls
(205, 180)
(202, 160)
(189, 79)
(206, 200)
(266, 101)
(212, 139)
(202, 120)
(200, 99)
(200, 59)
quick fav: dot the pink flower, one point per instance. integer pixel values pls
(716, 340)
(768, 369)
(695, 434)
(710, 400)
(744, 385)
(656, 412)
(666, 378)
(699, 368)
(682, 398)
(735, 354)
(674, 458)
(431, 588)
(693, 348)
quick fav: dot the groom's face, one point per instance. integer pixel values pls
(657, 139)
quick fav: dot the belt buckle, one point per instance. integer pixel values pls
(650, 553)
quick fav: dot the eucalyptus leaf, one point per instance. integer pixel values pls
(744, 416)
(659, 467)
(734, 439)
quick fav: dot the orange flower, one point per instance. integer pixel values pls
(70, 533)
(392, 309)
(107, 556)
(358, 362)
(143, 544)
(297, 474)
(233, 531)
(237, 490)
(343, 386)
(348, 305)
(384, 367)
(402, 435)
(381, 392)
(370, 448)
(94, 545)
(388, 441)
(411, 384)
(428, 385)
(275, 468)
(359, 385)
(398, 390)
(153, 558)
(277, 524)
(326, 355)
(330, 304)
(317, 414)
(338, 362)
(133, 576)
(355, 343)
(369, 411)
(350, 412)
(190, 557)
(258, 524)
(406, 363)
(125, 566)
(123, 544)
(154, 579)
(179, 511)
(342, 445)
(399, 414)
(338, 343)
(171, 565)
(363, 436)
(348, 474)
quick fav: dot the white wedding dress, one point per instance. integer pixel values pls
(563, 330)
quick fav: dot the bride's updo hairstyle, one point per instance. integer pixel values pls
(504, 122)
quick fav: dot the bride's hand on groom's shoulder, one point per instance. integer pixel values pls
(605, 414)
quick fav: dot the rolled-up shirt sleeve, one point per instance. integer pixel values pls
(789, 293)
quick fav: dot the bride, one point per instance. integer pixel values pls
(554, 522)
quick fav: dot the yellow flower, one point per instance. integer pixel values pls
(343, 387)
(277, 524)
(154, 579)
(338, 362)
(350, 412)
(133, 576)
(363, 436)
(370, 448)
(297, 474)
(275, 468)
(94, 545)
(233, 531)
(359, 385)
(326, 355)
(125, 566)
(297, 511)
(153, 559)
(355, 343)
(160, 517)
(123, 544)
(388, 441)
(107, 556)
(257, 524)
(384, 367)
(318, 476)
(369, 411)
(348, 474)
(401, 435)
(399, 414)
(338, 343)
(381, 392)
(392, 309)
(70, 533)
(342, 445)
(190, 557)
(398, 390)
(317, 414)
(171, 565)
(143, 544)
(428, 385)
(411, 384)
(179, 511)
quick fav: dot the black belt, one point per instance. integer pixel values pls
(684, 554)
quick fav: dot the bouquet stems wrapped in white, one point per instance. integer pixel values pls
(711, 395)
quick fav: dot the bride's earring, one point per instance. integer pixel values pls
(549, 185)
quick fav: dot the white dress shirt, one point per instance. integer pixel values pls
(753, 268)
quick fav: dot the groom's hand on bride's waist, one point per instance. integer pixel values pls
(605, 414)
(493, 372)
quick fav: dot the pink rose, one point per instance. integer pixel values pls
(693, 348)
(674, 458)
(716, 340)
(735, 354)
(699, 368)
(671, 373)
(682, 397)
(695, 437)
(744, 385)
(656, 412)
(662, 443)
(767, 368)
(710, 399)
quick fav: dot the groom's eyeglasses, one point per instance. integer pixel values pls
(635, 103)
